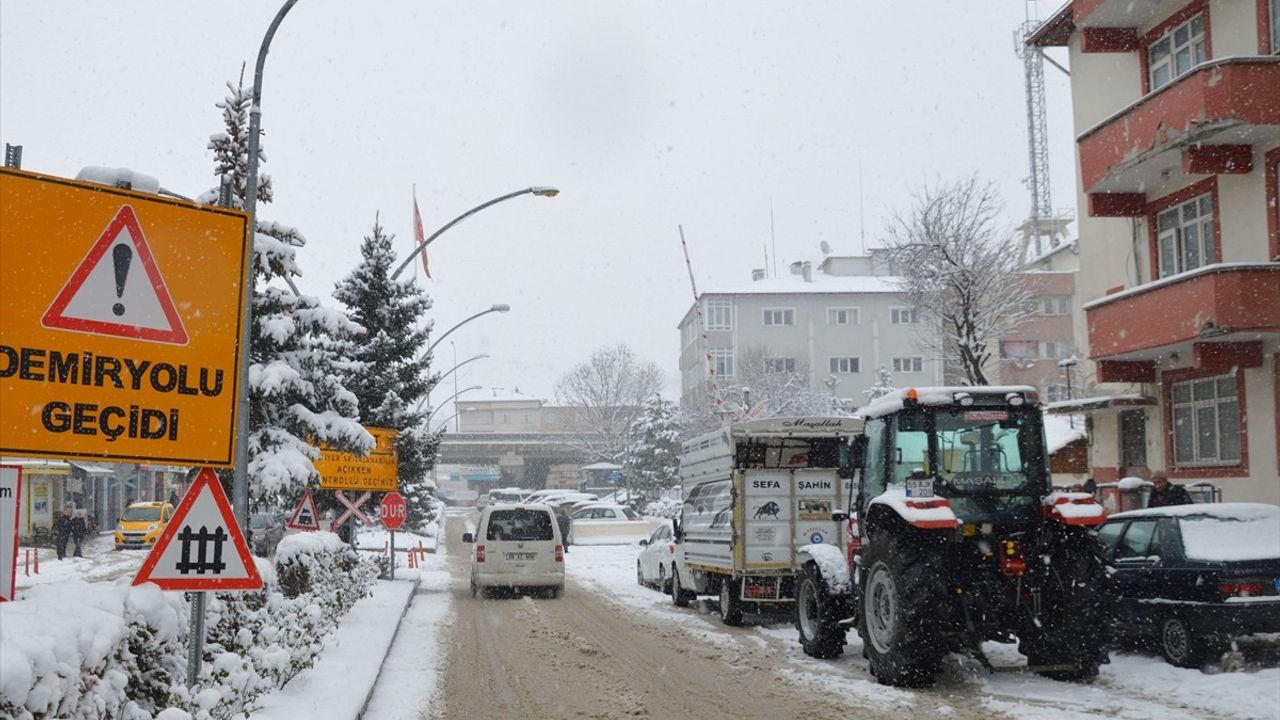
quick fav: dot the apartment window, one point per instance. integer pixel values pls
(903, 316)
(1056, 305)
(722, 361)
(719, 315)
(1058, 350)
(908, 364)
(779, 365)
(1185, 236)
(1020, 349)
(779, 317)
(845, 365)
(1206, 421)
(480, 417)
(1174, 54)
(849, 316)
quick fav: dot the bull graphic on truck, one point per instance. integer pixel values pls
(769, 509)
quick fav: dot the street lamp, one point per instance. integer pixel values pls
(427, 398)
(535, 190)
(495, 308)
(451, 397)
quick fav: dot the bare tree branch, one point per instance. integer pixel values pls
(605, 395)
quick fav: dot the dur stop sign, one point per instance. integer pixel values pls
(393, 511)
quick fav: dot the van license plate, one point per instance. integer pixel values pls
(520, 556)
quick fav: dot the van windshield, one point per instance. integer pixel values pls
(141, 514)
(520, 525)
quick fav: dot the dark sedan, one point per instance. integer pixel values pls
(1189, 578)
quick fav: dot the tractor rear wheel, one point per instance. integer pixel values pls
(903, 592)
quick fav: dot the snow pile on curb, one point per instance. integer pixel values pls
(93, 650)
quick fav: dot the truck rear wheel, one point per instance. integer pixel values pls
(1073, 610)
(679, 597)
(818, 615)
(903, 592)
(730, 602)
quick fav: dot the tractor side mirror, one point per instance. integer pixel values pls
(839, 517)
(644, 542)
(468, 538)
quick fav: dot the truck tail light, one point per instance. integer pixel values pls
(559, 553)
(479, 553)
(1249, 588)
(1012, 562)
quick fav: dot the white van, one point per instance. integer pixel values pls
(516, 546)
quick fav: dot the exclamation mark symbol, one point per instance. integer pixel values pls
(121, 257)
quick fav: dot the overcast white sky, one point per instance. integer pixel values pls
(645, 114)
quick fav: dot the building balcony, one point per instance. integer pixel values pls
(1216, 315)
(1204, 122)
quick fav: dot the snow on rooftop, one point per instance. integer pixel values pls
(1059, 433)
(893, 402)
(821, 283)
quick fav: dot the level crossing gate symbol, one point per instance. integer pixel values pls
(202, 540)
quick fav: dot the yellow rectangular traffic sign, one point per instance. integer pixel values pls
(377, 471)
(120, 317)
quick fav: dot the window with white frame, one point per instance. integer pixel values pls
(479, 417)
(719, 314)
(1019, 349)
(903, 316)
(848, 316)
(1184, 235)
(1206, 421)
(908, 364)
(1176, 52)
(780, 317)
(722, 361)
(845, 365)
(779, 365)
(1056, 305)
(1057, 350)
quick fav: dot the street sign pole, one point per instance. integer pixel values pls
(196, 652)
(393, 554)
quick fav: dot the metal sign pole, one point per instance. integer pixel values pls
(393, 554)
(196, 652)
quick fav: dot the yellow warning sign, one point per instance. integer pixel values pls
(377, 471)
(120, 322)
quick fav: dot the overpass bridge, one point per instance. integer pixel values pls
(525, 458)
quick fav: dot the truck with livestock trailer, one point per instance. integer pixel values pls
(753, 494)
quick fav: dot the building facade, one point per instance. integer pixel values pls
(1176, 107)
(1040, 351)
(834, 326)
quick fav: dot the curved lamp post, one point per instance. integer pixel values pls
(451, 397)
(427, 398)
(496, 308)
(535, 190)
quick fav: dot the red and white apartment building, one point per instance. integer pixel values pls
(1176, 107)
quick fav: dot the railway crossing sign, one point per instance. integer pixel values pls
(305, 516)
(202, 547)
(119, 323)
(393, 511)
(353, 508)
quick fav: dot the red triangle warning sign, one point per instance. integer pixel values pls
(118, 290)
(305, 517)
(202, 547)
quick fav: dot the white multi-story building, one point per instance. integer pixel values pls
(1177, 116)
(834, 326)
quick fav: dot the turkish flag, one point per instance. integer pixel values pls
(419, 237)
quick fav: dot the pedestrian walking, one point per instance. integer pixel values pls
(62, 531)
(1164, 494)
(78, 531)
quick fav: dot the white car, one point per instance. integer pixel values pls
(516, 546)
(606, 524)
(657, 558)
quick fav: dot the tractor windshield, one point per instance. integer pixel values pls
(989, 461)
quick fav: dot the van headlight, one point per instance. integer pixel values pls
(151, 527)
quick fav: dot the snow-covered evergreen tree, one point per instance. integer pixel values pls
(296, 345)
(883, 386)
(651, 459)
(388, 377)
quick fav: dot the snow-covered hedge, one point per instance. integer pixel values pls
(81, 650)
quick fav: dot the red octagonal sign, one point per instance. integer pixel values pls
(393, 511)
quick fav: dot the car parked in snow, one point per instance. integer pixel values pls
(656, 558)
(606, 524)
(265, 531)
(1189, 578)
(516, 546)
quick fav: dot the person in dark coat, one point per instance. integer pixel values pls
(78, 531)
(62, 531)
(563, 520)
(1164, 494)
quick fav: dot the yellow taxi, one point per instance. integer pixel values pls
(142, 524)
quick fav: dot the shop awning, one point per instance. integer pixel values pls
(93, 470)
(1102, 403)
(39, 467)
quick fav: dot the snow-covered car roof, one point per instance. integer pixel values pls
(586, 505)
(1243, 511)
(896, 400)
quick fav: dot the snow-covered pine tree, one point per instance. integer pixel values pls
(651, 459)
(883, 386)
(296, 345)
(389, 377)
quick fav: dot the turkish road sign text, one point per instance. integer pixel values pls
(202, 547)
(393, 511)
(120, 316)
(305, 516)
(376, 471)
(10, 501)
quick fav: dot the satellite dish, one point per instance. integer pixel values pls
(826, 247)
